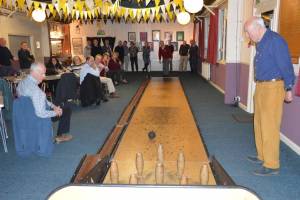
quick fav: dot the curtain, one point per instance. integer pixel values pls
(213, 38)
(201, 38)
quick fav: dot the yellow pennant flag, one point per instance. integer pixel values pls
(51, 8)
(79, 6)
(89, 14)
(1, 3)
(157, 2)
(73, 14)
(61, 4)
(168, 7)
(36, 5)
(81, 15)
(98, 3)
(157, 17)
(21, 3)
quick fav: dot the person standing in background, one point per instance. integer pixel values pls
(126, 57)
(25, 56)
(146, 56)
(165, 53)
(171, 47)
(133, 51)
(120, 50)
(87, 49)
(106, 48)
(183, 53)
(96, 48)
(6, 59)
(194, 56)
(274, 76)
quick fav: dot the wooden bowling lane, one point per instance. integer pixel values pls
(163, 109)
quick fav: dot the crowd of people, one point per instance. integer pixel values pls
(98, 73)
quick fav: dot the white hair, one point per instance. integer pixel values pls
(36, 66)
(259, 22)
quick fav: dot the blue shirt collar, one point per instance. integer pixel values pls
(265, 37)
(32, 79)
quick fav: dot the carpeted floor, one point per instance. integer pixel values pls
(34, 178)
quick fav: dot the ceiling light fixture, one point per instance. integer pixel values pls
(193, 6)
(183, 18)
(38, 15)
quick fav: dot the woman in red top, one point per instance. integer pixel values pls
(115, 71)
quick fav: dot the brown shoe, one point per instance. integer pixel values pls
(59, 139)
(67, 137)
(114, 95)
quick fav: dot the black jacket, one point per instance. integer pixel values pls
(25, 58)
(66, 88)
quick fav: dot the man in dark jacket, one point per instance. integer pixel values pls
(194, 56)
(120, 51)
(5, 59)
(25, 57)
(184, 56)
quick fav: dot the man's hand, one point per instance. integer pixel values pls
(288, 97)
(58, 111)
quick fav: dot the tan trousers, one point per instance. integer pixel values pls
(268, 103)
(183, 63)
(109, 83)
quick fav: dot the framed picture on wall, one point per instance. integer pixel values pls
(77, 46)
(180, 35)
(168, 36)
(155, 35)
(131, 37)
(143, 36)
(175, 45)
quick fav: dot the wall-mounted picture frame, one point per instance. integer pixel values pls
(155, 35)
(175, 45)
(143, 36)
(168, 36)
(131, 37)
(77, 46)
(179, 35)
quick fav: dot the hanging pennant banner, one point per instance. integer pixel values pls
(147, 2)
(29, 4)
(48, 12)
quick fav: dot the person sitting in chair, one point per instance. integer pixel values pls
(29, 87)
(90, 85)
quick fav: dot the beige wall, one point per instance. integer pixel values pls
(245, 50)
(120, 31)
(22, 25)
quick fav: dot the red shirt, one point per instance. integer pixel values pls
(113, 65)
(165, 53)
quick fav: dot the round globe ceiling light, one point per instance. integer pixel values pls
(193, 6)
(183, 18)
(38, 15)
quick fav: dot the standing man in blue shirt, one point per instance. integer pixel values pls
(274, 76)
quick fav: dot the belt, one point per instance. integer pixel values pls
(272, 80)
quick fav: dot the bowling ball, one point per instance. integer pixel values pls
(151, 135)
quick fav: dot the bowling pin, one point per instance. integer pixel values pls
(140, 180)
(139, 163)
(159, 173)
(160, 154)
(133, 179)
(180, 164)
(204, 174)
(183, 180)
(114, 172)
